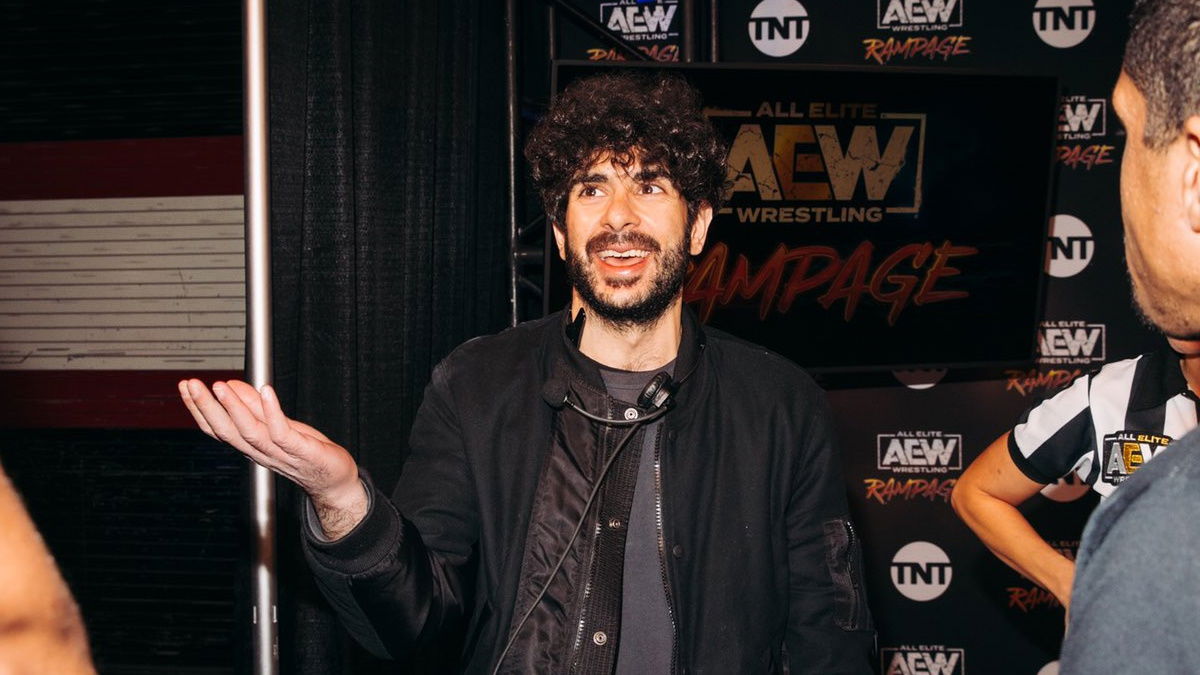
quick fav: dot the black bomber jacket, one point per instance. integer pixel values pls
(761, 565)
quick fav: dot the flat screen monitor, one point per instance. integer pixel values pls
(875, 218)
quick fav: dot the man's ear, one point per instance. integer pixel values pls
(560, 237)
(1191, 171)
(704, 216)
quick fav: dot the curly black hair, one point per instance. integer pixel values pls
(653, 118)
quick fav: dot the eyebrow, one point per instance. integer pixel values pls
(649, 174)
(591, 179)
(645, 175)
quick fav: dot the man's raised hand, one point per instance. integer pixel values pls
(254, 424)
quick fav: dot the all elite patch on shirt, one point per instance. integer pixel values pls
(1126, 451)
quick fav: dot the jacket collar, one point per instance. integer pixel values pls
(562, 358)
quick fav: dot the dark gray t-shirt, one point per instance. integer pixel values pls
(646, 630)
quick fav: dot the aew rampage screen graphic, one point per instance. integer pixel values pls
(933, 461)
(873, 216)
(652, 28)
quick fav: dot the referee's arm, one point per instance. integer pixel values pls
(986, 498)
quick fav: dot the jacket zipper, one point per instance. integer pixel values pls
(587, 590)
(662, 547)
(855, 591)
(577, 643)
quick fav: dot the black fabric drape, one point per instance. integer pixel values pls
(389, 244)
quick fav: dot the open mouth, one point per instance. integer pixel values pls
(624, 259)
(624, 255)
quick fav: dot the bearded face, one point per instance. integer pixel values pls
(658, 286)
(626, 240)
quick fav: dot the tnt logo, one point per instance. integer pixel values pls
(1063, 23)
(1070, 342)
(921, 571)
(1081, 118)
(640, 21)
(919, 452)
(912, 15)
(778, 27)
(1070, 247)
(1066, 489)
(922, 660)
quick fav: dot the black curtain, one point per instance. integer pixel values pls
(389, 241)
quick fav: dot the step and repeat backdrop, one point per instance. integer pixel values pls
(925, 190)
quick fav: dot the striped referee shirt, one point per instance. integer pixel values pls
(1107, 423)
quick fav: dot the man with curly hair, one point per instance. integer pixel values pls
(613, 488)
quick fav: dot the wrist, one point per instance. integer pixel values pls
(1064, 578)
(342, 508)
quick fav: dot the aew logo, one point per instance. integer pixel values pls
(921, 571)
(913, 15)
(1070, 246)
(778, 27)
(1126, 451)
(870, 163)
(1063, 23)
(640, 21)
(922, 660)
(1081, 118)
(1070, 343)
(919, 452)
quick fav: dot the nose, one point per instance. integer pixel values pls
(621, 211)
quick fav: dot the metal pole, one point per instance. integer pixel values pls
(689, 30)
(547, 235)
(510, 120)
(258, 324)
(714, 28)
(552, 36)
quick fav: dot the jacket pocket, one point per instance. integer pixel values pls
(843, 556)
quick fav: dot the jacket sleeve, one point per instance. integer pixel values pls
(401, 578)
(829, 624)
